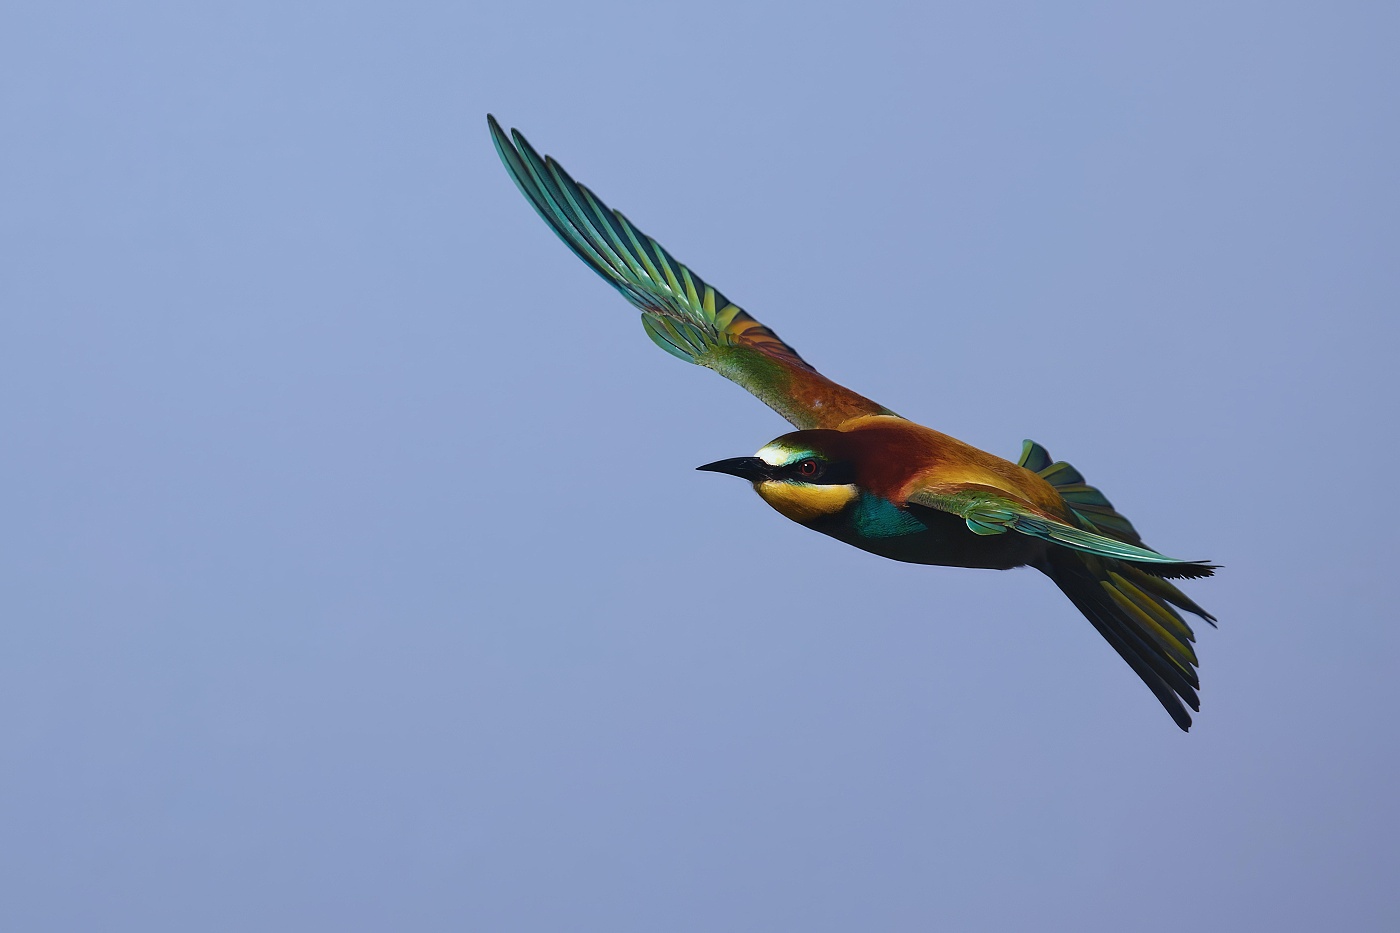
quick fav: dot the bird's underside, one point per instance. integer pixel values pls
(916, 495)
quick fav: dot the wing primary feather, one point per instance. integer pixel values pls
(557, 200)
(635, 237)
(530, 185)
(599, 241)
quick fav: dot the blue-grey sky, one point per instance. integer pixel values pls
(355, 573)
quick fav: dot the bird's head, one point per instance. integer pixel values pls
(806, 475)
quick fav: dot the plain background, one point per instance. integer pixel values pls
(355, 575)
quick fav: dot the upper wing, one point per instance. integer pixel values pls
(991, 511)
(682, 315)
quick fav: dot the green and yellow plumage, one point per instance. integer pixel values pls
(1165, 661)
(861, 474)
(681, 313)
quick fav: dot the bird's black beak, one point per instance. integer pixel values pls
(749, 468)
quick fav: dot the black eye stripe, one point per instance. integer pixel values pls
(826, 474)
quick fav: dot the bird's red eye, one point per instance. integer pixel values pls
(808, 467)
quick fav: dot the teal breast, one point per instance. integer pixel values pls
(929, 537)
(872, 516)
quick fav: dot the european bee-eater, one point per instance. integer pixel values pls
(858, 472)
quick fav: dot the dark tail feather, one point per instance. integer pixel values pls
(1131, 611)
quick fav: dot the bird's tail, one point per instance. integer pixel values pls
(1132, 612)
(1136, 612)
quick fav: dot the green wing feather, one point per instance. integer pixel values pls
(1088, 504)
(1093, 512)
(681, 313)
(989, 511)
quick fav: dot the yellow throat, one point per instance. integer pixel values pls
(803, 502)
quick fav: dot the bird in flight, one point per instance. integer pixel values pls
(858, 472)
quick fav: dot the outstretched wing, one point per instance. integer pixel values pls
(681, 313)
(991, 511)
